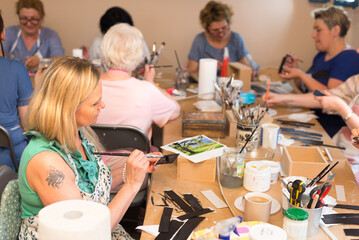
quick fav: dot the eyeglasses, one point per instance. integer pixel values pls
(25, 20)
(218, 30)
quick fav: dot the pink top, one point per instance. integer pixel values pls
(137, 103)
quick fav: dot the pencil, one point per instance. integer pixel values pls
(268, 85)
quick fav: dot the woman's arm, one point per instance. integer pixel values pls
(22, 112)
(335, 103)
(298, 100)
(51, 178)
(193, 67)
(311, 83)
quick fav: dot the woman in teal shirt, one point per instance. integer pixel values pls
(58, 164)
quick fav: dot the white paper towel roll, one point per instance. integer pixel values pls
(75, 220)
(207, 77)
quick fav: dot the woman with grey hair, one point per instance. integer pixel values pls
(130, 101)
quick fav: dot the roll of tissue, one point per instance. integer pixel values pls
(207, 77)
(75, 220)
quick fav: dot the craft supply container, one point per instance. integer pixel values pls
(314, 216)
(257, 176)
(231, 168)
(244, 131)
(295, 223)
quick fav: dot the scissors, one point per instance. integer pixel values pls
(322, 191)
(296, 189)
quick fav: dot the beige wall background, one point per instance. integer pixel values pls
(270, 28)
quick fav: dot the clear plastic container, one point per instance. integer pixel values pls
(295, 223)
(231, 168)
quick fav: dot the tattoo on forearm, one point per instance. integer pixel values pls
(55, 177)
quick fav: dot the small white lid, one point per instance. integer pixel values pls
(274, 166)
(258, 167)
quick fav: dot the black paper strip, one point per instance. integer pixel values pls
(188, 228)
(193, 201)
(165, 220)
(195, 214)
(174, 226)
(341, 220)
(351, 232)
(178, 200)
(344, 206)
(341, 215)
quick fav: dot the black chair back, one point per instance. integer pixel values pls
(6, 141)
(115, 137)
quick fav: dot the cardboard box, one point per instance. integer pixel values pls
(203, 171)
(241, 72)
(211, 124)
(303, 161)
(231, 124)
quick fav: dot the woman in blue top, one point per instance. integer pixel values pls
(29, 41)
(335, 62)
(216, 19)
(15, 93)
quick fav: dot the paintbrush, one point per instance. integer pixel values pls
(249, 138)
(162, 159)
(178, 61)
(163, 66)
(157, 54)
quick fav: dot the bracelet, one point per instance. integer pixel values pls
(124, 173)
(346, 118)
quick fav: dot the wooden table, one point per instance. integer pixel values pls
(164, 178)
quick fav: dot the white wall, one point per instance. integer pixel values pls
(270, 28)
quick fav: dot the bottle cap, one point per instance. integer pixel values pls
(296, 214)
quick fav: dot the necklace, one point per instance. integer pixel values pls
(118, 70)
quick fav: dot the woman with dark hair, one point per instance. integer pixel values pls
(15, 93)
(111, 17)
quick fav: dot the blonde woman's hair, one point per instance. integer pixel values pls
(215, 12)
(334, 16)
(122, 47)
(66, 83)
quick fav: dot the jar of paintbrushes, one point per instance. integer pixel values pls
(248, 120)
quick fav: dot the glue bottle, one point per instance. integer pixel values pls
(225, 63)
(225, 227)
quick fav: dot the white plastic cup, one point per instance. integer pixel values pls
(269, 135)
(77, 52)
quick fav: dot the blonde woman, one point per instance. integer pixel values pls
(58, 164)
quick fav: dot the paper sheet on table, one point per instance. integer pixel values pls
(284, 141)
(208, 106)
(302, 117)
(151, 229)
